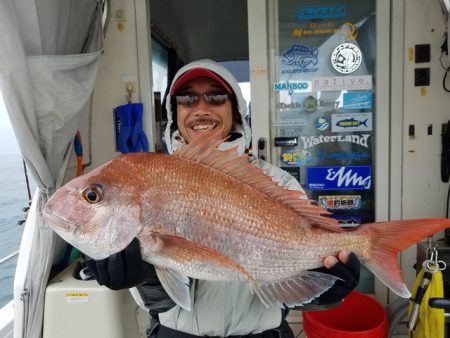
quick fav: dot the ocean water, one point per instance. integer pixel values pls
(13, 198)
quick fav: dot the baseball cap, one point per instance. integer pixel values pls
(199, 72)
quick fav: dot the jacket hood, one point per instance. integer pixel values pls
(174, 140)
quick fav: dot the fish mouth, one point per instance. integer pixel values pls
(57, 222)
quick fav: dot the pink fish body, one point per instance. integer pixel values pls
(210, 214)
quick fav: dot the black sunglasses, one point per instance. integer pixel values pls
(191, 99)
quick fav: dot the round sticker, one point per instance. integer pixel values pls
(346, 58)
(310, 104)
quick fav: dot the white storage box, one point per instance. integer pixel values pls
(76, 308)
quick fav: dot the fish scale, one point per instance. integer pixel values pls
(210, 214)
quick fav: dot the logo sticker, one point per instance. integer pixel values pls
(291, 87)
(286, 141)
(302, 57)
(358, 100)
(347, 31)
(346, 58)
(310, 104)
(362, 82)
(290, 122)
(340, 202)
(311, 141)
(291, 105)
(339, 178)
(322, 123)
(295, 157)
(342, 155)
(321, 12)
(351, 122)
(348, 221)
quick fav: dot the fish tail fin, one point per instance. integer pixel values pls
(388, 239)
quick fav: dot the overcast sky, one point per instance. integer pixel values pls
(8, 143)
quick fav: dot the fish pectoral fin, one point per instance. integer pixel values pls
(176, 286)
(193, 253)
(295, 291)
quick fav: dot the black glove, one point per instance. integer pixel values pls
(124, 269)
(349, 279)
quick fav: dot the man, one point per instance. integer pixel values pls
(204, 96)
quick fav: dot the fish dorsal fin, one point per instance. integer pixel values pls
(203, 149)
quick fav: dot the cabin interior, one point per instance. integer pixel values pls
(147, 41)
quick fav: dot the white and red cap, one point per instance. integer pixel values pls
(197, 73)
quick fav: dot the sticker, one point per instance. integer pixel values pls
(321, 12)
(322, 123)
(290, 122)
(328, 104)
(340, 202)
(310, 104)
(295, 157)
(347, 221)
(361, 82)
(283, 105)
(286, 141)
(351, 122)
(311, 141)
(358, 100)
(302, 57)
(346, 58)
(347, 31)
(339, 178)
(291, 87)
(342, 155)
(74, 297)
(294, 171)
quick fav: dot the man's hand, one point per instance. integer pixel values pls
(124, 269)
(345, 266)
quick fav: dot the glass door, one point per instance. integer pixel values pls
(322, 106)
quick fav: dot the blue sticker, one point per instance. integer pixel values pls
(339, 178)
(322, 123)
(342, 155)
(291, 87)
(348, 221)
(321, 12)
(301, 58)
(358, 100)
(346, 122)
(295, 157)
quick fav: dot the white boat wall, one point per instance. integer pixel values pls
(65, 64)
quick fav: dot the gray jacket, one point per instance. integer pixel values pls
(219, 308)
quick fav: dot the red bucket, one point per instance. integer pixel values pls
(358, 316)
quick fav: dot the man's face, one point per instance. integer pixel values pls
(201, 116)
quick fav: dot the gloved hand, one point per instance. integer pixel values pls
(124, 269)
(347, 269)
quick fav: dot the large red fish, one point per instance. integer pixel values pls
(210, 214)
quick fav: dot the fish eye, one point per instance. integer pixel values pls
(93, 193)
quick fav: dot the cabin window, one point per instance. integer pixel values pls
(159, 66)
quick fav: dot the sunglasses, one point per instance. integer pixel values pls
(211, 98)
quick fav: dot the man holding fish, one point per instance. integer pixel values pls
(204, 96)
(229, 242)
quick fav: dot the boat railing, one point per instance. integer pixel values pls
(8, 257)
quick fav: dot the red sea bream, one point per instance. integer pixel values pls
(210, 214)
